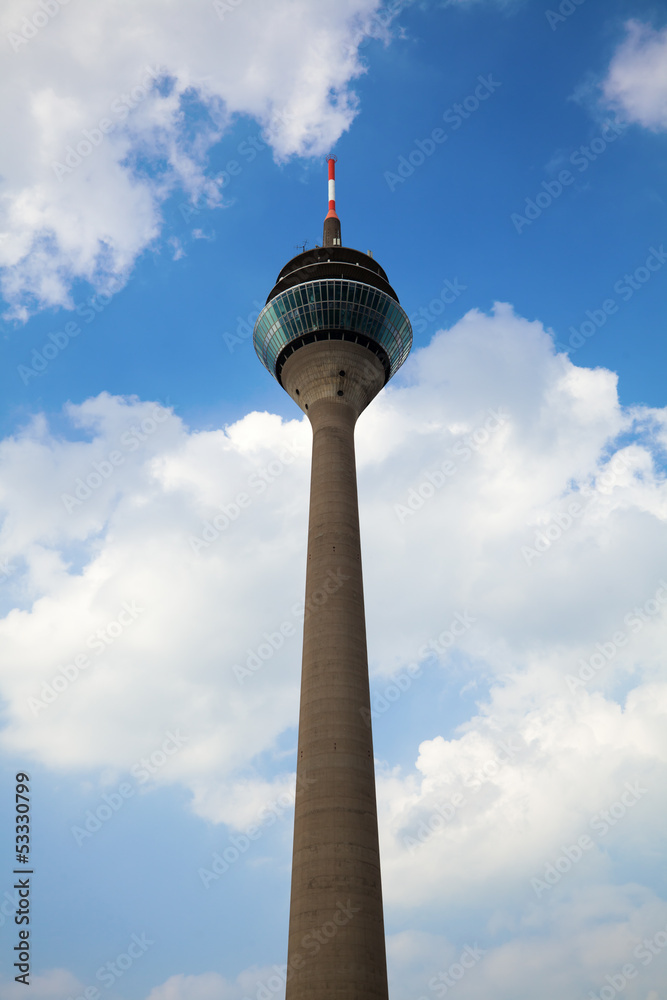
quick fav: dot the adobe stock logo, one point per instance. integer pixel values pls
(463, 450)
(565, 9)
(454, 116)
(93, 137)
(257, 482)
(141, 771)
(601, 823)
(102, 470)
(551, 191)
(222, 7)
(30, 26)
(99, 641)
(447, 979)
(625, 287)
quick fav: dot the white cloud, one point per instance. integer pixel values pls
(570, 752)
(111, 561)
(151, 593)
(503, 799)
(51, 985)
(509, 5)
(578, 945)
(95, 101)
(212, 986)
(636, 82)
(526, 435)
(569, 949)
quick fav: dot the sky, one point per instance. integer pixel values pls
(505, 163)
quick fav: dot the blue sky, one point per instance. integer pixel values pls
(505, 163)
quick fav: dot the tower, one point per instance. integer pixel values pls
(333, 333)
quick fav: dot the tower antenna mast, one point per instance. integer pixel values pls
(331, 236)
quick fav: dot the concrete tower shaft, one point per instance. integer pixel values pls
(336, 934)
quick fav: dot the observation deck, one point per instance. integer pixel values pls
(332, 293)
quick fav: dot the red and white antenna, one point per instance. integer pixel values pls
(332, 236)
(331, 160)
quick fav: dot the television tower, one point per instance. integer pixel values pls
(332, 333)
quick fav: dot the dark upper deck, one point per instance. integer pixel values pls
(332, 262)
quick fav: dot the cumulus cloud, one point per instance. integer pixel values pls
(517, 787)
(568, 949)
(112, 108)
(52, 985)
(636, 81)
(124, 510)
(149, 558)
(212, 986)
(584, 943)
(154, 583)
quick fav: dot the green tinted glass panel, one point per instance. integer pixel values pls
(326, 305)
